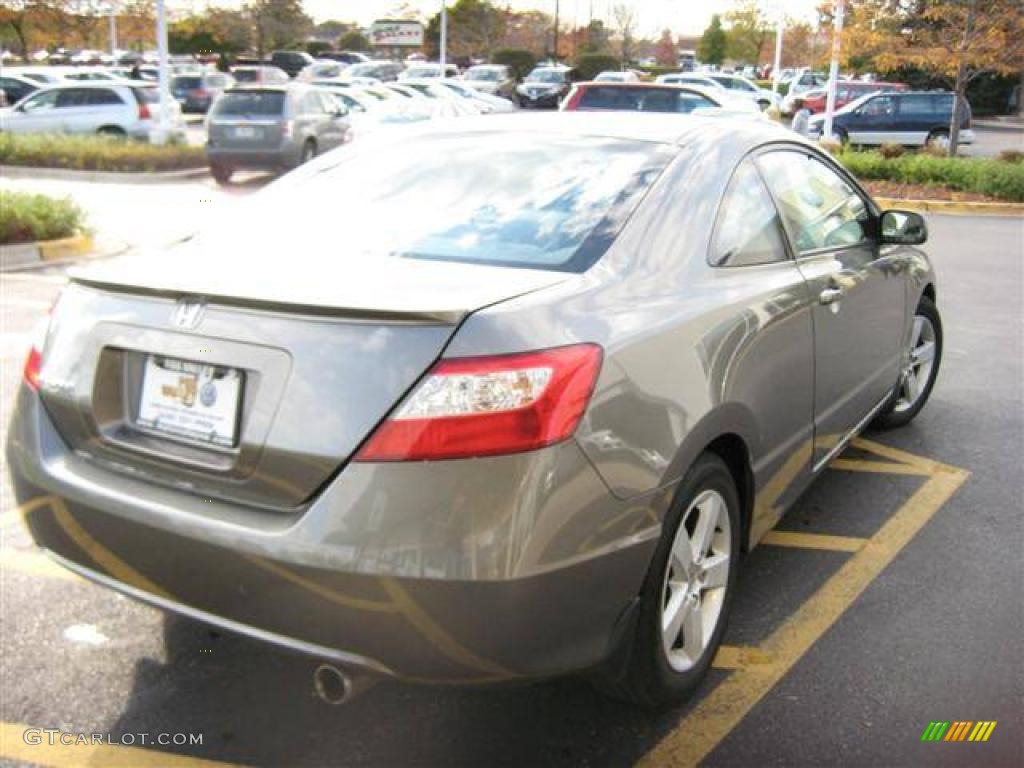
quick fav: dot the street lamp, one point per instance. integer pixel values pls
(833, 70)
(444, 35)
(161, 134)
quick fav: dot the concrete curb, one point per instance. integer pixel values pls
(25, 255)
(963, 207)
(66, 174)
(1010, 126)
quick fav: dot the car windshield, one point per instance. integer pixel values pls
(423, 72)
(546, 76)
(264, 103)
(538, 201)
(490, 75)
(856, 103)
(186, 82)
(365, 69)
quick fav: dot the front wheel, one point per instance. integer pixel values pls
(308, 152)
(221, 173)
(921, 361)
(687, 593)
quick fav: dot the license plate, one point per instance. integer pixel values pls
(245, 132)
(191, 400)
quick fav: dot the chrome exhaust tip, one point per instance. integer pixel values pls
(335, 686)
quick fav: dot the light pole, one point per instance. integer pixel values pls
(556, 32)
(113, 28)
(444, 35)
(833, 70)
(163, 80)
(777, 65)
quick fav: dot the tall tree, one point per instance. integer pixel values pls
(353, 40)
(17, 16)
(957, 39)
(712, 46)
(748, 32)
(278, 23)
(475, 28)
(624, 18)
(666, 52)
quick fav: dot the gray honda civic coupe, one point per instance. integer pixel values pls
(499, 399)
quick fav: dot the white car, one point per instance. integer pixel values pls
(488, 103)
(738, 84)
(615, 76)
(113, 109)
(321, 69)
(730, 99)
(428, 70)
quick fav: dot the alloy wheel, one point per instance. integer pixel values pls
(918, 365)
(696, 579)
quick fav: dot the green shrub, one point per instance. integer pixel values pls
(984, 176)
(889, 150)
(95, 153)
(783, 87)
(519, 60)
(590, 65)
(28, 217)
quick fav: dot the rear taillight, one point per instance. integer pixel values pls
(485, 406)
(33, 364)
(144, 113)
(286, 129)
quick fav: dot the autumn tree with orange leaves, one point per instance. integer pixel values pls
(959, 39)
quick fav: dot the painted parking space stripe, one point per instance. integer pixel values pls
(13, 746)
(813, 541)
(715, 716)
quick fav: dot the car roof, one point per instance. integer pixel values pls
(677, 129)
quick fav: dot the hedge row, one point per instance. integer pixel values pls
(95, 153)
(28, 217)
(995, 178)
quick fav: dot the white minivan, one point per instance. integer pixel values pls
(115, 109)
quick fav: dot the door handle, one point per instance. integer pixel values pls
(830, 295)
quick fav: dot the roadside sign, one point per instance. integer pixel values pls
(386, 33)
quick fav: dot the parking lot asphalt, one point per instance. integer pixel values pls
(889, 598)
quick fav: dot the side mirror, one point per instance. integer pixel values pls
(903, 228)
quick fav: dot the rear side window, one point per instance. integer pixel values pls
(819, 207)
(641, 99)
(147, 95)
(250, 103)
(747, 231)
(104, 97)
(190, 83)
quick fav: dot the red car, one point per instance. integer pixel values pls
(846, 91)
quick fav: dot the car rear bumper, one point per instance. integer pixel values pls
(437, 582)
(260, 159)
(542, 101)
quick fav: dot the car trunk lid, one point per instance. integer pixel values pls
(318, 361)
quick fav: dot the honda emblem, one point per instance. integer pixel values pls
(188, 312)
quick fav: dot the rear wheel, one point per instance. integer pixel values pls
(112, 130)
(920, 368)
(687, 593)
(221, 173)
(938, 139)
(308, 151)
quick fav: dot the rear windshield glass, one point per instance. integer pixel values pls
(641, 99)
(536, 201)
(246, 75)
(147, 95)
(186, 82)
(250, 103)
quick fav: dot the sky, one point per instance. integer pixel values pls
(686, 17)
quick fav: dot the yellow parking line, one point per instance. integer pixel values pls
(878, 467)
(739, 657)
(722, 710)
(33, 563)
(813, 541)
(927, 466)
(13, 747)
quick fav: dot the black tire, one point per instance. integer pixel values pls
(221, 173)
(308, 151)
(896, 412)
(640, 671)
(938, 139)
(112, 130)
